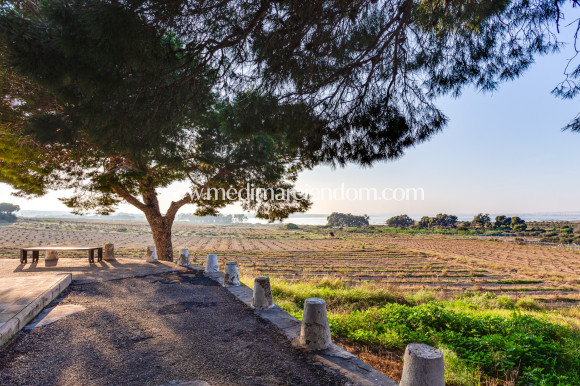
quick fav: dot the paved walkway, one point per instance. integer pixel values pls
(84, 272)
(22, 298)
(155, 329)
(25, 289)
(17, 292)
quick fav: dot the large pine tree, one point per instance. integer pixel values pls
(118, 99)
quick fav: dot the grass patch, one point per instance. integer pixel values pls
(485, 338)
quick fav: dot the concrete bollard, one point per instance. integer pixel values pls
(232, 276)
(315, 331)
(423, 366)
(151, 254)
(51, 256)
(109, 252)
(262, 293)
(183, 258)
(211, 265)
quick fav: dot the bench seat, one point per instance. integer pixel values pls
(36, 252)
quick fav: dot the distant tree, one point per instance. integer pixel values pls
(219, 219)
(7, 208)
(7, 211)
(464, 225)
(425, 222)
(502, 222)
(401, 221)
(444, 220)
(518, 224)
(240, 218)
(347, 220)
(291, 226)
(441, 220)
(481, 221)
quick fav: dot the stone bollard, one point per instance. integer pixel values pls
(51, 256)
(423, 366)
(315, 331)
(183, 258)
(151, 254)
(211, 264)
(109, 252)
(262, 293)
(232, 277)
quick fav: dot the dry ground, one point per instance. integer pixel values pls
(406, 261)
(158, 330)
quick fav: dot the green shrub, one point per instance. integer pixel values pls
(496, 345)
(527, 304)
(505, 301)
(291, 226)
(478, 344)
(420, 297)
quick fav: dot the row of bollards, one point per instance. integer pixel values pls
(423, 364)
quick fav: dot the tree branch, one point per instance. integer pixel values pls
(175, 206)
(130, 198)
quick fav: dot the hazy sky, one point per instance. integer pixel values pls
(501, 152)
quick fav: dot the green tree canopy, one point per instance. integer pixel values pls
(502, 222)
(115, 100)
(347, 220)
(425, 222)
(7, 208)
(401, 221)
(7, 211)
(481, 221)
(518, 224)
(441, 220)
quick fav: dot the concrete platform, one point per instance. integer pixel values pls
(24, 297)
(26, 289)
(82, 272)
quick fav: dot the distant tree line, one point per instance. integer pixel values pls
(347, 220)
(7, 212)
(446, 221)
(218, 219)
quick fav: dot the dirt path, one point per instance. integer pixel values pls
(154, 330)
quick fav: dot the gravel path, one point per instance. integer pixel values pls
(155, 330)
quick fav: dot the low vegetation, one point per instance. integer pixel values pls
(548, 232)
(485, 338)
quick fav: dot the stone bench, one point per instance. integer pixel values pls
(36, 252)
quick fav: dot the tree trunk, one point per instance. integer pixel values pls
(160, 224)
(161, 230)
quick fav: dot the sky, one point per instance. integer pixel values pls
(501, 152)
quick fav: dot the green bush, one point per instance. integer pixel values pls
(481, 341)
(291, 226)
(527, 304)
(505, 301)
(495, 345)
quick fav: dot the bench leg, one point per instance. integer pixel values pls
(91, 256)
(23, 257)
(35, 256)
(100, 254)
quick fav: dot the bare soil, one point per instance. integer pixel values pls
(154, 330)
